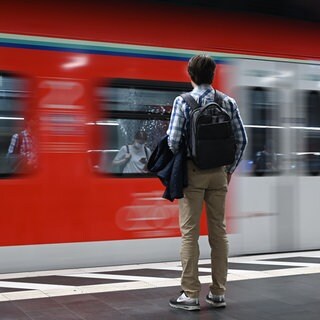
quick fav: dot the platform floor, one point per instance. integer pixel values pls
(277, 287)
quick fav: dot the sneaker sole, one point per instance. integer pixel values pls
(184, 307)
(216, 305)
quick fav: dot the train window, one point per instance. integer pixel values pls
(263, 157)
(15, 142)
(135, 115)
(311, 156)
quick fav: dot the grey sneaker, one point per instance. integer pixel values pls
(184, 302)
(216, 301)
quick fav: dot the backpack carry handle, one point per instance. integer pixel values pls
(218, 98)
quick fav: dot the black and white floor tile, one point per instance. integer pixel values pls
(284, 281)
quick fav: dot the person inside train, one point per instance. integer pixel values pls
(22, 150)
(133, 158)
(265, 161)
(209, 186)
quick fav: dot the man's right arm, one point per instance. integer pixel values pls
(176, 125)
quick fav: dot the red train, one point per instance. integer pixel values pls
(90, 75)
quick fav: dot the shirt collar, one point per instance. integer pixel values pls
(202, 88)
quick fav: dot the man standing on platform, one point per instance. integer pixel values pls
(209, 186)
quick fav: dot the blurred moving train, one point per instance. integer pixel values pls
(90, 75)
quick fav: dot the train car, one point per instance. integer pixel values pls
(83, 78)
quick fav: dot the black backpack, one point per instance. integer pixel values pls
(210, 137)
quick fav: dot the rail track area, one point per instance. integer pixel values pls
(277, 286)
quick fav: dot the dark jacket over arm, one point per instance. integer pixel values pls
(170, 168)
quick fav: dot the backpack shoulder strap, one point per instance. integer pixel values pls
(146, 152)
(188, 98)
(219, 97)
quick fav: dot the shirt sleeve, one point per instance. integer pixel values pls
(239, 134)
(120, 155)
(176, 125)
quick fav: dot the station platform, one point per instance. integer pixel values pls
(277, 286)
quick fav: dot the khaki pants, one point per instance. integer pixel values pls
(209, 186)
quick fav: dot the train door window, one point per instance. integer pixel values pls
(15, 141)
(263, 157)
(135, 115)
(311, 156)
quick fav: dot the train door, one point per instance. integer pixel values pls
(267, 207)
(308, 95)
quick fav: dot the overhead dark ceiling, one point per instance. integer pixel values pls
(308, 10)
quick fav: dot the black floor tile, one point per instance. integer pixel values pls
(79, 298)
(89, 307)
(279, 298)
(289, 290)
(251, 266)
(3, 290)
(302, 315)
(45, 309)
(297, 259)
(53, 314)
(8, 311)
(34, 305)
(67, 281)
(256, 267)
(150, 273)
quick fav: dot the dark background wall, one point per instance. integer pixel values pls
(296, 9)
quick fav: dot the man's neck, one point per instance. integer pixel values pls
(203, 86)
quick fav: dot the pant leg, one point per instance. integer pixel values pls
(190, 208)
(215, 196)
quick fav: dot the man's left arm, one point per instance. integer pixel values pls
(240, 135)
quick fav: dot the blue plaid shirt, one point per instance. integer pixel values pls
(180, 118)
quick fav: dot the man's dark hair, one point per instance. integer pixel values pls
(201, 69)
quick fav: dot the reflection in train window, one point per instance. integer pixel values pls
(311, 156)
(15, 143)
(135, 115)
(263, 157)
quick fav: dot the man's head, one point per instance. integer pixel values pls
(201, 69)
